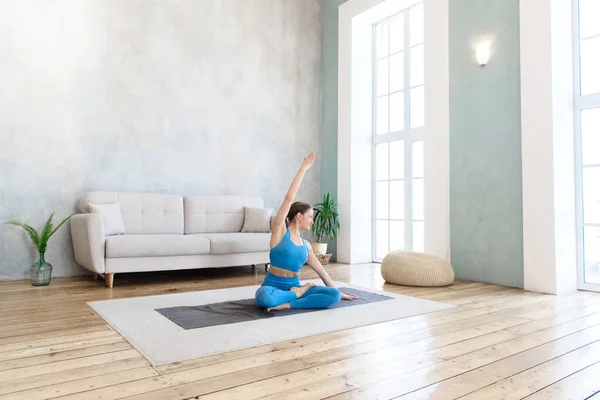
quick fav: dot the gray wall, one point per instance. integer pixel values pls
(329, 76)
(486, 223)
(190, 97)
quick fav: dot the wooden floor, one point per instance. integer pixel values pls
(499, 343)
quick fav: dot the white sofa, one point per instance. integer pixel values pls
(167, 232)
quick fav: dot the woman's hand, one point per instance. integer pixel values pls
(348, 297)
(308, 161)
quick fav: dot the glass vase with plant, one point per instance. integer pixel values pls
(41, 271)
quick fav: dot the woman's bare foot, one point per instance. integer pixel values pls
(300, 291)
(285, 306)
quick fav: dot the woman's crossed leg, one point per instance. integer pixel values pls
(307, 296)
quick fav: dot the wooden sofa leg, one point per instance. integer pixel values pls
(108, 279)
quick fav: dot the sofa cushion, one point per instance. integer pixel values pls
(143, 213)
(257, 219)
(229, 243)
(111, 217)
(217, 214)
(156, 245)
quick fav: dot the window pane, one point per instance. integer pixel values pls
(417, 159)
(382, 115)
(589, 17)
(397, 34)
(418, 236)
(397, 199)
(590, 136)
(397, 72)
(416, 25)
(397, 160)
(417, 199)
(591, 195)
(397, 112)
(382, 77)
(591, 250)
(396, 235)
(417, 107)
(382, 200)
(381, 31)
(590, 65)
(381, 161)
(381, 240)
(417, 65)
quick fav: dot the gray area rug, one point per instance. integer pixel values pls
(162, 341)
(231, 312)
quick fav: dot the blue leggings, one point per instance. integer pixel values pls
(315, 297)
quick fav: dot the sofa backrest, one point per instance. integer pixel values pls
(143, 213)
(216, 214)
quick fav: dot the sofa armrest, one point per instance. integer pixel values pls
(87, 233)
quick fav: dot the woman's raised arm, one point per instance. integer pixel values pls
(278, 226)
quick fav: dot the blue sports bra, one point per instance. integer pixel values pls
(288, 255)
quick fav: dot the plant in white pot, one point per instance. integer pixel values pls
(326, 222)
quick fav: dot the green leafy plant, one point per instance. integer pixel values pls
(40, 240)
(326, 218)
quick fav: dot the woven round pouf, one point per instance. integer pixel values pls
(409, 268)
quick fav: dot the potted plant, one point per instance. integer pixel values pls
(326, 222)
(41, 271)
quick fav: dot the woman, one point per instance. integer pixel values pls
(281, 287)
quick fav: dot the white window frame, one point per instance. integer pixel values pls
(581, 103)
(354, 161)
(408, 135)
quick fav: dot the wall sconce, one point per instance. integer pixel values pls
(482, 53)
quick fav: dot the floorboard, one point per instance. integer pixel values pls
(498, 342)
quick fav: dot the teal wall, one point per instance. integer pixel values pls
(486, 224)
(329, 85)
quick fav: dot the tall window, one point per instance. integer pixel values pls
(587, 118)
(398, 124)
